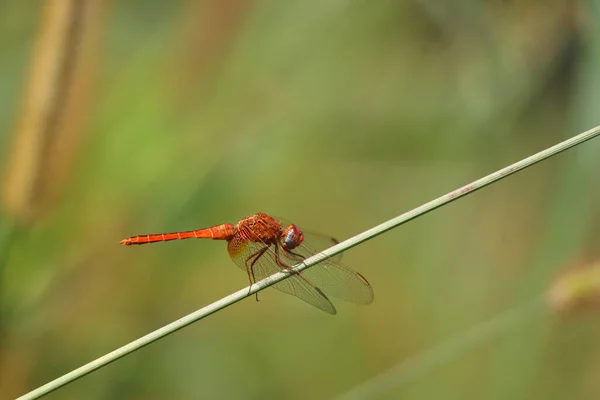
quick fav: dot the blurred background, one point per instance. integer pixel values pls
(125, 118)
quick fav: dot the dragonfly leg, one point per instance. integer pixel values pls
(289, 254)
(250, 269)
(280, 264)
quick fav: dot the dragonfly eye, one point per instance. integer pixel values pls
(292, 238)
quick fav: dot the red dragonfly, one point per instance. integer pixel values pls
(261, 246)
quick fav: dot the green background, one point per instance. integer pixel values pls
(336, 115)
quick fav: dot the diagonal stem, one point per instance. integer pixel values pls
(309, 262)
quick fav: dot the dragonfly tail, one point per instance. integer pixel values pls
(219, 232)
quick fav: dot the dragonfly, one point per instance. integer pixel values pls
(262, 245)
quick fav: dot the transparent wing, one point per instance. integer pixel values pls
(260, 260)
(332, 277)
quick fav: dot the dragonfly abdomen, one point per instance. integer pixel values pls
(219, 232)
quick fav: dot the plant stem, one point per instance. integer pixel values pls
(309, 262)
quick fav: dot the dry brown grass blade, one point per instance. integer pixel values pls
(54, 106)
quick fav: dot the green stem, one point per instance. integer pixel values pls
(309, 262)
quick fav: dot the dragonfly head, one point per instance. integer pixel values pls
(292, 237)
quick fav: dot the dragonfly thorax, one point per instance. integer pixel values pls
(292, 237)
(260, 228)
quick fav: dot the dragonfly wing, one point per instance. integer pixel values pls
(332, 277)
(245, 252)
